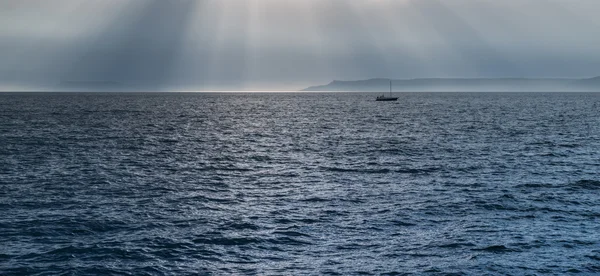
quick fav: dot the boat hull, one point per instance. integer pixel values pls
(387, 99)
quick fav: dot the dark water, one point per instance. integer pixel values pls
(298, 184)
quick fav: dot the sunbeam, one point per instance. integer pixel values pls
(283, 45)
(138, 47)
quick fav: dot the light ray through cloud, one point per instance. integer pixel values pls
(283, 45)
(138, 46)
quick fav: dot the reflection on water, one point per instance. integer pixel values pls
(299, 183)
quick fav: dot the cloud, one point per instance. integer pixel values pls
(274, 44)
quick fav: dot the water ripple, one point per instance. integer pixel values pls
(299, 184)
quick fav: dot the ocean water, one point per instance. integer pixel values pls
(299, 184)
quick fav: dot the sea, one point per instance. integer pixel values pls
(299, 184)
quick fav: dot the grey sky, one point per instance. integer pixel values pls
(290, 44)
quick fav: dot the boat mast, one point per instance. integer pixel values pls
(390, 88)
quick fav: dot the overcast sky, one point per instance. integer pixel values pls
(291, 44)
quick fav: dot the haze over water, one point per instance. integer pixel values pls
(254, 45)
(299, 184)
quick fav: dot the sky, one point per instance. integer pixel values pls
(271, 45)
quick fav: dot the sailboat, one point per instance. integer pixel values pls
(383, 98)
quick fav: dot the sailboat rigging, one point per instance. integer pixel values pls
(383, 98)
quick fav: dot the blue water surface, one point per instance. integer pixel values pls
(299, 184)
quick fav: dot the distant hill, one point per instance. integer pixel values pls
(593, 83)
(463, 85)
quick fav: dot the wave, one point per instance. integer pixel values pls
(227, 241)
(586, 185)
(367, 171)
(381, 171)
(315, 199)
(534, 186)
(291, 233)
(456, 245)
(403, 223)
(418, 171)
(496, 249)
(289, 241)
